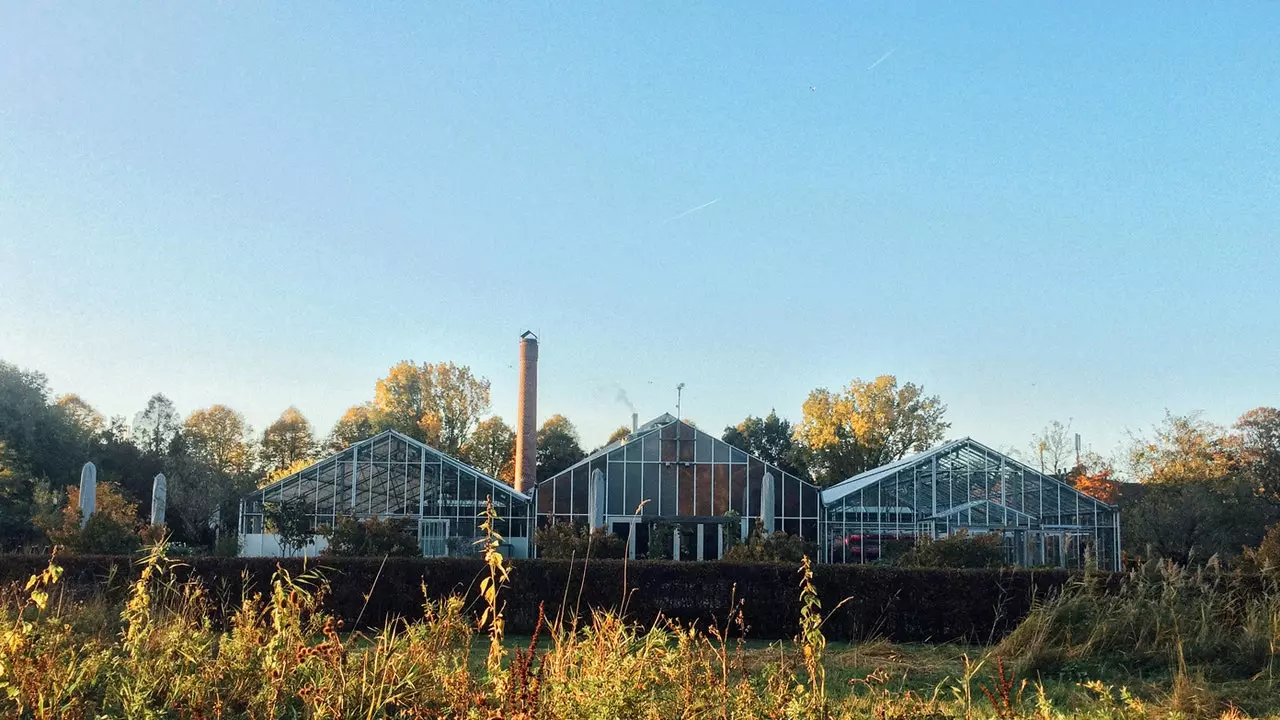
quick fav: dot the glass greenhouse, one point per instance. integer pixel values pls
(668, 474)
(966, 486)
(391, 475)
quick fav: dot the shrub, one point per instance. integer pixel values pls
(151, 651)
(732, 528)
(1266, 556)
(372, 538)
(892, 550)
(898, 604)
(563, 540)
(227, 545)
(104, 536)
(771, 547)
(661, 541)
(110, 530)
(956, 551)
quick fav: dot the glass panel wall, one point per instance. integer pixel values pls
(673, 471)
(965, 486)
(393, 476)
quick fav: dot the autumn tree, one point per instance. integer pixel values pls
(439, 403)
(220, 437)
(356, 424)
(1259, 437)
(155, 427)
(1266, 556)
(82, 415)
(1197, 495)
(621, 432)
(287, 441)
(491, 449)
(867, 425)
(771, 439)
(1100, 484)
(558, 446)
(111, 529)
(1259, 431)
(211, 465)
(1183, 448)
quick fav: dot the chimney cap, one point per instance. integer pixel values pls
(528, 335)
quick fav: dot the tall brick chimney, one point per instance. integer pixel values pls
(527, 414)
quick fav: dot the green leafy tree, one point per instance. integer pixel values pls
(196, 494)
(558, 446)
(356, 424)
(1259, 437)
(771, 439)
(439, 404)
(41, 439)
(17, 501)
(867, 425)
(104, 536)
(156, 426)
(661, 541)
(291, 522)
(492, 449)
(1192, 521)
(287, 441)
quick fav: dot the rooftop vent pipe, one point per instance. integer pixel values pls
(635, 422)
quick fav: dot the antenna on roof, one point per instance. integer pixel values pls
(679, 389)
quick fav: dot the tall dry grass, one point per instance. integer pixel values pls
(1164, 617)
(282, 656)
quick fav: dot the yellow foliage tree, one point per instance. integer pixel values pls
(284, 472)
(868, 424)
(220, 437)
(438, 403)
(1184, 448)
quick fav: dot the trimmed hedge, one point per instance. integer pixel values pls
(899, 604)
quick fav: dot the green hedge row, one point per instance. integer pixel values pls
(902, 605)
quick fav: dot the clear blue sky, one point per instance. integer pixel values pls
(1037, 211)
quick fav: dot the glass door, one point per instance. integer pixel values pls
(432, 536)
(634, 533)
(709, 541)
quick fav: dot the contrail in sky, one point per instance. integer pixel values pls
(882, 59)
(694, 210)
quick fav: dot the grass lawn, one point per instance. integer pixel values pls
(926, 669)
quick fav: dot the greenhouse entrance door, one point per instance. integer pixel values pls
(633, 532)
(432, 535)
